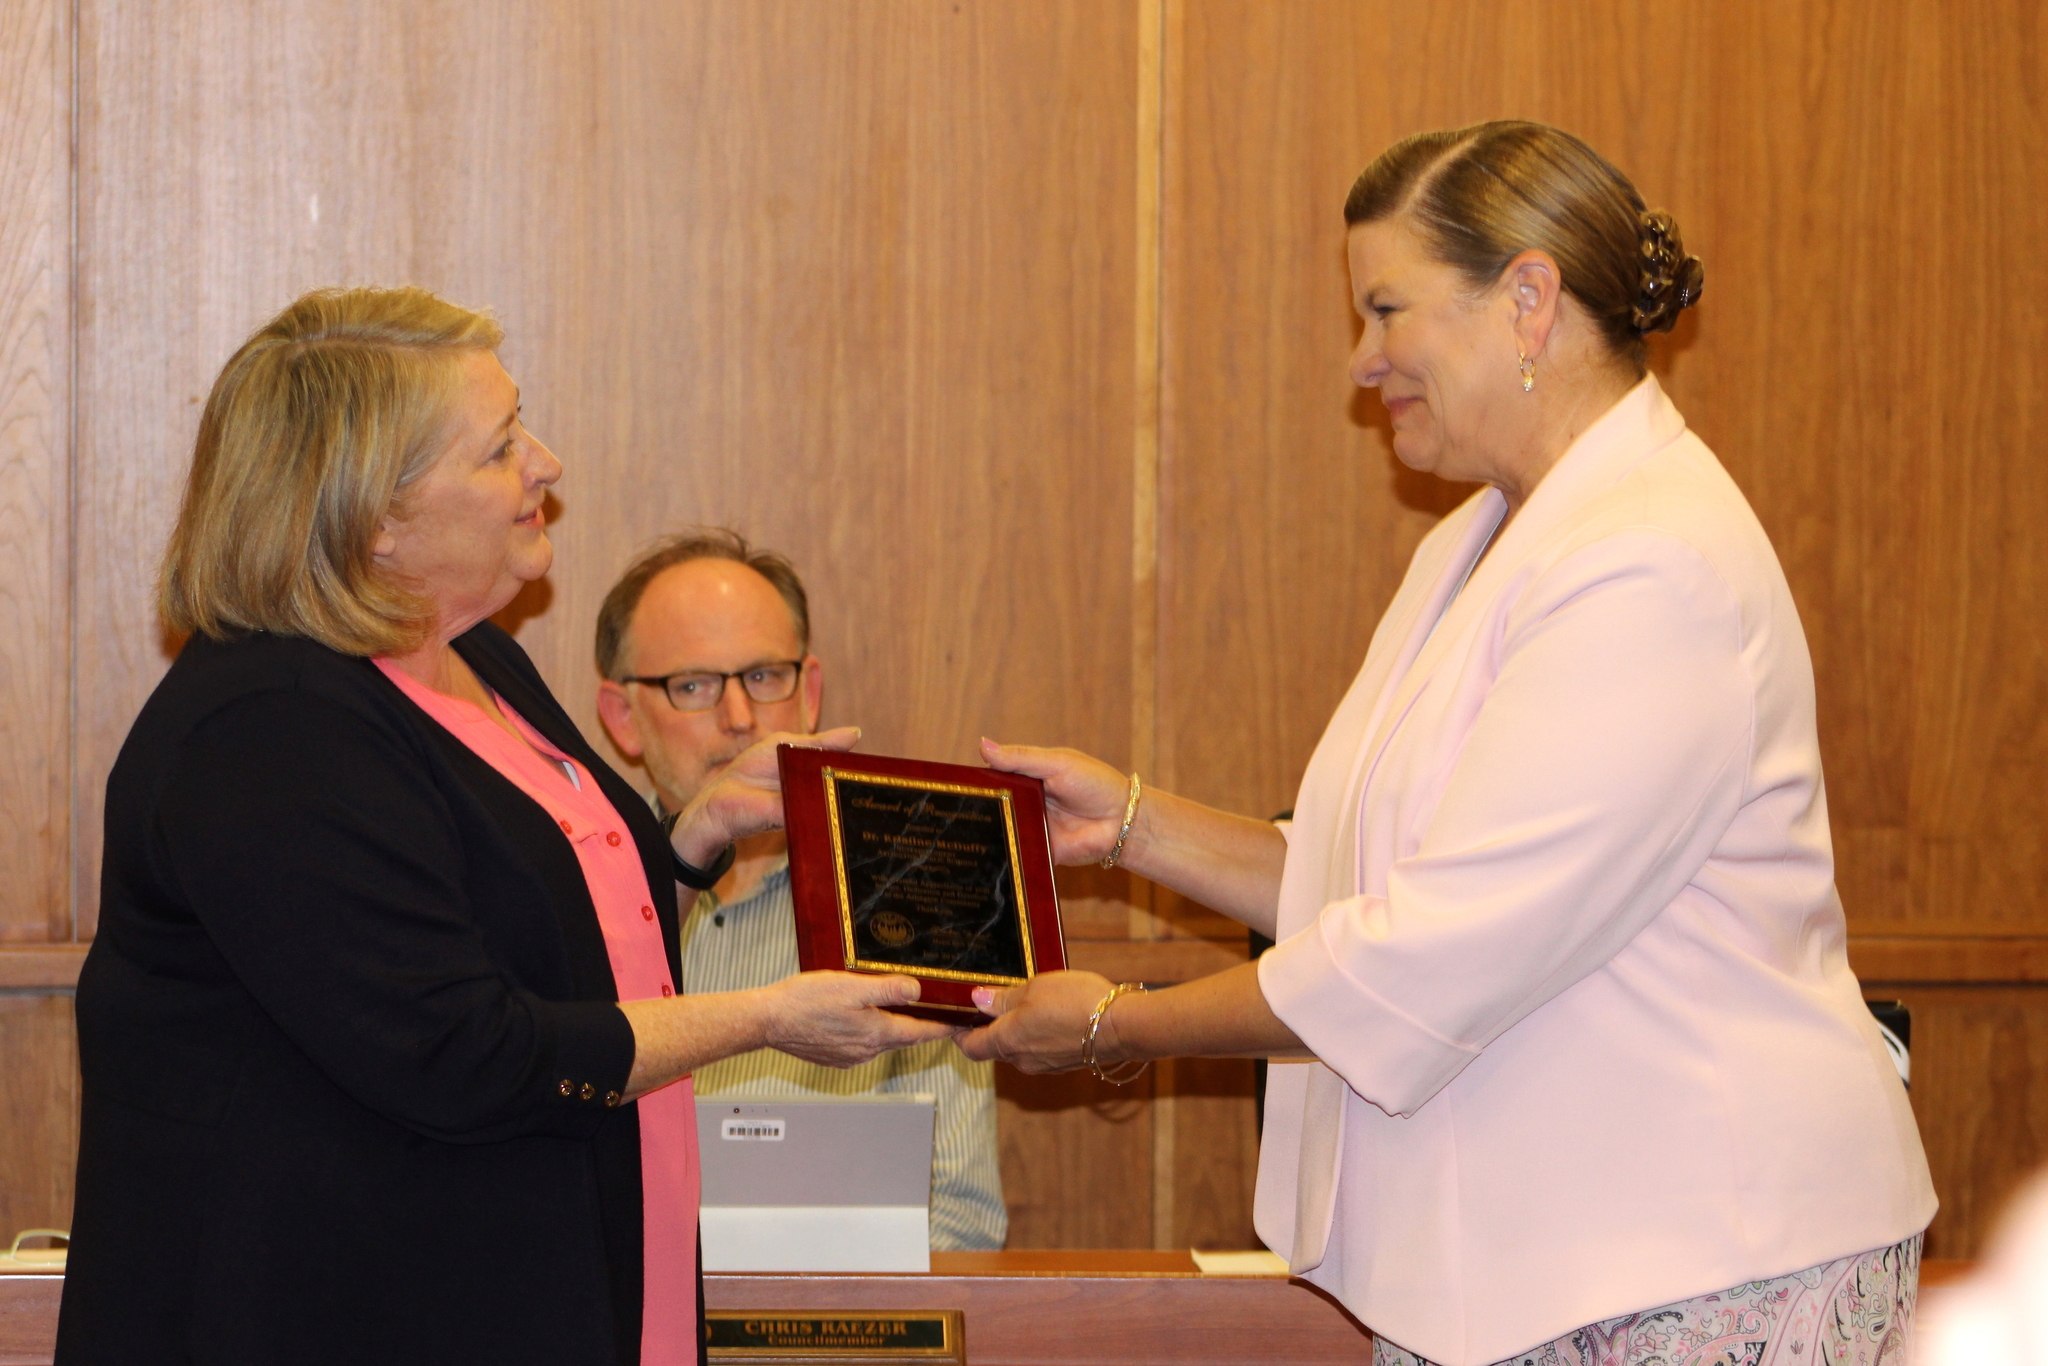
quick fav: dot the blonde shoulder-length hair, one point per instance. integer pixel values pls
(313, 431)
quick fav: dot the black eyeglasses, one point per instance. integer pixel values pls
(774, 681)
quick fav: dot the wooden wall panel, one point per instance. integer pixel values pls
(35, 473)
(1284, 526)
(229, 157)
(38, 1112)
(1869, 367)
(38, 1066)
(1980, 1092)
(1206, 1156)
(1077, 1158)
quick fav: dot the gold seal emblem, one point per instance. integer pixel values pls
(892, 929)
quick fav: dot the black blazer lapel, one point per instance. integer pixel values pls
(500, 662)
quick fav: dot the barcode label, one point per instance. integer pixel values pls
(769, 1130)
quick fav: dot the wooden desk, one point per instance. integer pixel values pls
(28, 1317)
(1021, 1307)
(1025, 1308)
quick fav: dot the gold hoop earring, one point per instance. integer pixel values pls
(1528, 368)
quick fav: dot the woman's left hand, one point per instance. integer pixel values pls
(1085, 798)
(747, 798)
(1040, 1026)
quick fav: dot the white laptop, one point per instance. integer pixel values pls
(819, 1184)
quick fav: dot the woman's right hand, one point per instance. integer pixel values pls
(1042, 1025)
(747, 798)
(841, 1019)
(1084, 797)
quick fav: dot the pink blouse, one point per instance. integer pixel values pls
(632, 937)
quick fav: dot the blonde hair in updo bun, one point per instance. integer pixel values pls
(1478, 196)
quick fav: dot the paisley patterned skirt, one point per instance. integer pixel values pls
(1857, 1311)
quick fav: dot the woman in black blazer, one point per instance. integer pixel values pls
(358, 1084)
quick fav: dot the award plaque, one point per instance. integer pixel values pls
(942, 872)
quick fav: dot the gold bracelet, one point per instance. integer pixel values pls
(1136, 1066)
(1116, 851)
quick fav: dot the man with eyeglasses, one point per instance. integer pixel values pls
(703, 647)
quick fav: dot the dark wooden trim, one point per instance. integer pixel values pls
(1926, 960)
(41, 965)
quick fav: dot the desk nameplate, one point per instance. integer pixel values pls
(797, 1337)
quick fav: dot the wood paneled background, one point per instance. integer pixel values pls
(1022, 327)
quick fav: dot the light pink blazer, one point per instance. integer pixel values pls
(1559, 920)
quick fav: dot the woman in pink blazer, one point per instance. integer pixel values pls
(1561, 965)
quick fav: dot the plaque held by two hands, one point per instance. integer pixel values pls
(942, 872)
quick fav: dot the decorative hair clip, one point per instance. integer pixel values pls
(1666, 271)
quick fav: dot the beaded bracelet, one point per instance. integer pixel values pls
(1137, 1066)
(1116, 851)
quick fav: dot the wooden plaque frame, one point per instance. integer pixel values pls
(816, 784)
